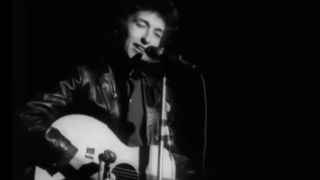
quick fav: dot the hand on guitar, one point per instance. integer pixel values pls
(85, 172)
(76, 162)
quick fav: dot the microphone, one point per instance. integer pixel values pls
(165, 55)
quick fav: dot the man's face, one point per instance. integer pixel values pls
(145, 28)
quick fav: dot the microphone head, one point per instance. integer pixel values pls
(154, 52)
(166, 56)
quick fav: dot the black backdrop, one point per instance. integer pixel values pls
(258, 59)
(51, 37)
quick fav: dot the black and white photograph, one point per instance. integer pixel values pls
(163, 90)
(111, 90)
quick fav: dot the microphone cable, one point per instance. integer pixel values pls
(205, 122)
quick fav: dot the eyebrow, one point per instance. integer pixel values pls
(160, 30)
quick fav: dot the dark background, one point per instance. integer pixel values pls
(258, 59)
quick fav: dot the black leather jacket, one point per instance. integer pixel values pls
(97, 90)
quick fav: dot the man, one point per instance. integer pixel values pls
(123, 91)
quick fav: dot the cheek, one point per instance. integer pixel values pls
(155, 42)
(135, 33)
(130, 36)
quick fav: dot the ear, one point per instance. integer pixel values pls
(120, 31)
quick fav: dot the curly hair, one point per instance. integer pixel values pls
(164, 8)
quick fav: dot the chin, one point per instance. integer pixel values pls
(148, 59)
(132, 53)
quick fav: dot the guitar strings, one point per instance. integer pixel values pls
(125, 172)
(121, 176)
(131, 174)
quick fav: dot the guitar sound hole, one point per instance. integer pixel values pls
(124, 172)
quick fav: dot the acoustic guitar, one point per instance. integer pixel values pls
(93, 137)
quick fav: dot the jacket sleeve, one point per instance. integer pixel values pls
(40, 113)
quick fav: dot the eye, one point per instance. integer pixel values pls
(140, 23)
(158, 35)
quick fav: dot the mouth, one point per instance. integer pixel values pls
(139, 47)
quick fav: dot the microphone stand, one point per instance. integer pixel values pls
(161, 129)
(163, 120)
(157, 53)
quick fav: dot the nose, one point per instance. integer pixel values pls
(146, 39)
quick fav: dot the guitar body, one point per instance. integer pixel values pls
(93, 137)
